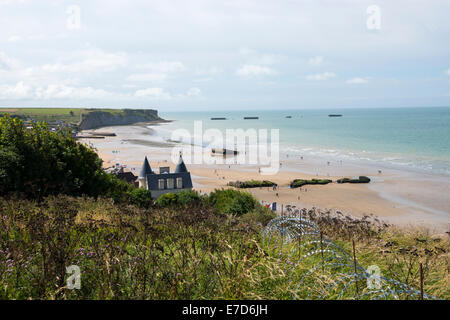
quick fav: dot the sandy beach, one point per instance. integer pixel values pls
(400, 197)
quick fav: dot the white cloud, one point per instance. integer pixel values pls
(93, 60)
(14, 38)
(208, 71)
(58, 91)
(268, 59)
(315, 61)
(321, 76)
(448, 72)
(194, 92)
(22, 91)
(357, 81)
(165, 66)
(250, 70)
(153, 93)
(150, 77)
(15, 92)
(7, 63)
(159, 71)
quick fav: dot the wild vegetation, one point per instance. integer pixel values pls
(37, 162)
(125, 252)
(188, 251)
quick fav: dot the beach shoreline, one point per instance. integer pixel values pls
(395, 196)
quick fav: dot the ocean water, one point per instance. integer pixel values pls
(411, 138)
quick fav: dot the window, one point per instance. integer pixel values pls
(170, 184)
(160, 183)
(180, 183)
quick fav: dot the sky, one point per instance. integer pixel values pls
(175, 55)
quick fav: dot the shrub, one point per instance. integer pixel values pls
(182, 198)
(38, 162)
(232, 201)
(260, 215)
(167, 199)
(186, 197)
(140, 197)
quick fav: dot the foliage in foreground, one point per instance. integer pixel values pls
(193, 252)
(126, 252)
(38, 162)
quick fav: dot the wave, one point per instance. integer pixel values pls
(394, 161)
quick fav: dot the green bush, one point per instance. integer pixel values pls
(38, 162)
(186, 197)
(182, 198)
(140, 197)
(232, 201)
(167, 199)
(260, 215)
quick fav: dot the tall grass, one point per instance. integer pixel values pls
(186, 252)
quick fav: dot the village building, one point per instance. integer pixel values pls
(164, 181)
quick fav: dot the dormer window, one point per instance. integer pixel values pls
(180, 183)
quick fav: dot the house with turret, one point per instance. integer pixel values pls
(164, 181)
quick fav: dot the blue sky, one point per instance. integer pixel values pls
(223, 55)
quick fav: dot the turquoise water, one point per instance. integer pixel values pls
(417, 138)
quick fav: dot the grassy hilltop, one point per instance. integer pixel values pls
(69, 115)
(72, 115)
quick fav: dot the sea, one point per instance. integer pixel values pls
(406, 138)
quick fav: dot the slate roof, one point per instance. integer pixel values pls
(181, 167)
(152, 178)
(145, 170)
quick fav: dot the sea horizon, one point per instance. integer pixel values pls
(414, 139)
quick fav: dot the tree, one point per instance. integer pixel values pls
(38, 162)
